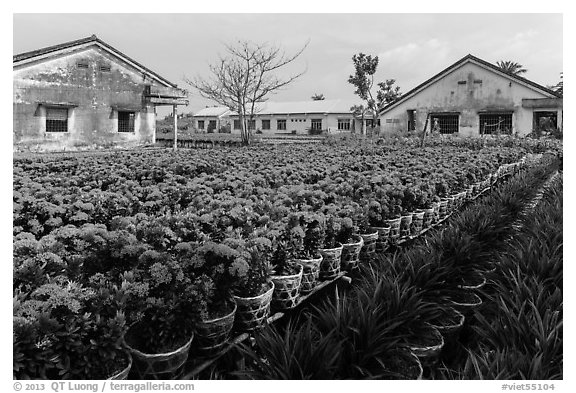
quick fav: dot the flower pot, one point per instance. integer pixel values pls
(382, 241)
(157, 365)
(405, 223)
(287, 290)
(213, 334)
(428, 218)
(428, 346)
(310, 273)
(417, 223)
(331, 261)
(394, 225)
(370, 241)
(469, 193)
(474, 282)
(465, 301)
(443, 210)
(401, 364)
(351, 254)
(252, 312)
(449, 323)
(123, 374)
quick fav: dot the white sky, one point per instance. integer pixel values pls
(411, 47)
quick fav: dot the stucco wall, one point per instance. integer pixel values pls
(93, 122)
(301, 123)
(493, 93)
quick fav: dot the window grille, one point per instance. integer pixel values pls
(56, 119)
(265, 124)
(281, 124)
(495, 123)
(252, 124)
(445, 123)
(316, 124)
(236, 124)
(126, 121)
(343, 124)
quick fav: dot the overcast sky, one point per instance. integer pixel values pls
(411, 47)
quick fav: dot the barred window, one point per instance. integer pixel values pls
(316, 124)
(126, 121)
(281, 124)
(236, 124)
(252, 124)
(495, 123)
(265, 124)
(56, 119)
(445, 123)
(343, 124)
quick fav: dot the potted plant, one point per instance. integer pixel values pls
(226, 266)
(369, 235)
(331, 249)
(162, 303)
(287, 274)
(351, 244)
(309, 257)
(391, 214)
(377, 223)
(253, 293)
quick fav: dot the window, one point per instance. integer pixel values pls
(411, 119)
(281, 124)
(316, 124)
(265, 124)
(343, 124)
(252, 124)
(82, 64)
(125, 121)
(56, 119)
(200, 124)
(445, 123)
(105, 68)
(211, 125)
(495, 123)
(236, 124)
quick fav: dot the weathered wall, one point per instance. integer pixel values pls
(93, 122)
(494, 93)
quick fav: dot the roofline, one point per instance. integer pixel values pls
(92, 39)
(450, 68)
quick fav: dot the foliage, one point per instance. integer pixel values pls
(511, 67)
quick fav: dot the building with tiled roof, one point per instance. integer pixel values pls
(86, 94)
(475, 97)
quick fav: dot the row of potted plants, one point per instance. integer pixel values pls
(402, 301)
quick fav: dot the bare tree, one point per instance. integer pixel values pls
(244, 77)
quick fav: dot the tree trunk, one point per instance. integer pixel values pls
(422, 142)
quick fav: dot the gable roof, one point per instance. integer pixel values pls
(212, 111)
(482, 63)
(26, 57)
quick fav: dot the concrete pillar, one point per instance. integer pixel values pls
(175, 116)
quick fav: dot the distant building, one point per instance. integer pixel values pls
(302, 117)
(473, 97)
(211, 119)
(86, 94)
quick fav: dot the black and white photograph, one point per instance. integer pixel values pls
(204, 198)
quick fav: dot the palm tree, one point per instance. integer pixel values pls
(511, 67)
